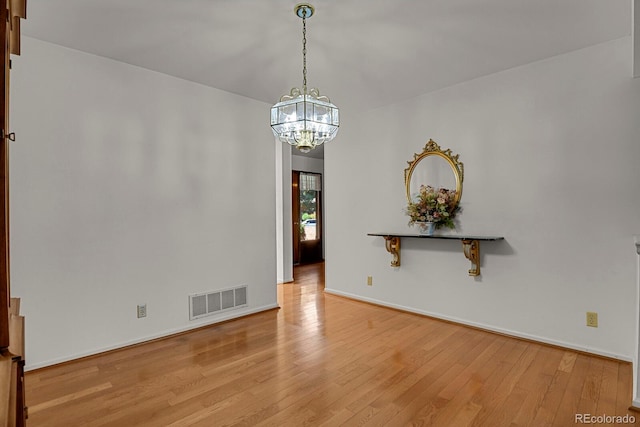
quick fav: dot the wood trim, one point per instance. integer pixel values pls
(12, 392)
(295, 215)
(13, 396)
(17, 11)
(16, 332)
(6, 362)
(4, 185)
(14, 306)
(14, 36)
(18, 8)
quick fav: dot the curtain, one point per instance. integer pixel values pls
(310, 181)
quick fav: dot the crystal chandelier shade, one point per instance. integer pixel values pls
(304, 118)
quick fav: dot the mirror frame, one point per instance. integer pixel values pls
(433, 149)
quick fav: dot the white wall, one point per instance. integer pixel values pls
(129, 187)
(284, 226)
(307, 164)
(635, 31)
(636, 371)
(551, 155)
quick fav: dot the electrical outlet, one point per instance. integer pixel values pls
(142, 310)
(369, 280)
(592, 319)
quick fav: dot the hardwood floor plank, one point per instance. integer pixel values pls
(537, 380)
(324, 360)
(494, 392)
(608, 388)
(568, 407)
(625, 385)
(466, 414)
(591, 387)
(479, 376)
(504, 401)
(68, 398)
(567, 362)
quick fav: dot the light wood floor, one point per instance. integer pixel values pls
(326, 360)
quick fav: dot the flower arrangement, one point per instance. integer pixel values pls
(431, 205)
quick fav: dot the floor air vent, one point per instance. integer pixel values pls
(201, 305)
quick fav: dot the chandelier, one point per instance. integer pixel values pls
(304, 118)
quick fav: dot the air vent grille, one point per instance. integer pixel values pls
(207, 304)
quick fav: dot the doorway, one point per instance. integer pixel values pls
(306, 192)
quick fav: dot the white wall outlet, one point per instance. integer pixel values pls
(142, 310)
(369, 280)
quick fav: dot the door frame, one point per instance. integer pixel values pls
(308, 247)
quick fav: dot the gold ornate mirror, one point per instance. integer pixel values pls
(437, 168)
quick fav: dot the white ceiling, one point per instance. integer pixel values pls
(361, 53)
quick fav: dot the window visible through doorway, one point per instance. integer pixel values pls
(307, 217)
(310, 186)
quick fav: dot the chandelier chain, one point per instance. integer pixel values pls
(304, 54)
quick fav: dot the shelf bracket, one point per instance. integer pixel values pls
(392, 243)
(470, 246)
(471, 250)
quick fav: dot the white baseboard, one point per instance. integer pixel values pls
(516, 334)
(163, 334)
